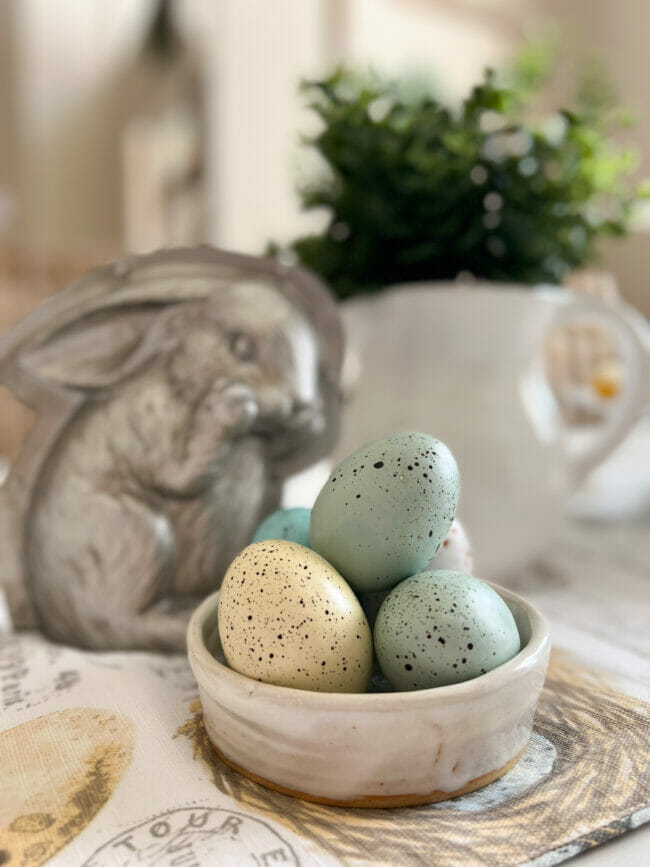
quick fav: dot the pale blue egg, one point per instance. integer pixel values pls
(385, 510)
(289, 524)
(441, 627)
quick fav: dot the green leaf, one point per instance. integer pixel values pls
(409, 179)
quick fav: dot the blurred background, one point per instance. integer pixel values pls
(135, 124)
(89, 90)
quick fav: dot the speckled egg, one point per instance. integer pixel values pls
(385, 509)
(286, 616)
(455, 553)
(289, 524)
(442, 627)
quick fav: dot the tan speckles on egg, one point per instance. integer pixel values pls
(287, 617)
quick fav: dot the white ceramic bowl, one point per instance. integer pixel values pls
(372, 749)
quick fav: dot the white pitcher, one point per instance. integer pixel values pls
(466, 365)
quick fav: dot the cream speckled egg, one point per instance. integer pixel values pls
(386, 509)
(287, 617)
(455, 553)
(442, 627)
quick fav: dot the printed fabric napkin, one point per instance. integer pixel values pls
(104, 761)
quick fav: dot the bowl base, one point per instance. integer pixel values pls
(374, 801)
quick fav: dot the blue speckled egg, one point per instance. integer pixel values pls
(385, 510)
(289, 524)
(442, 627)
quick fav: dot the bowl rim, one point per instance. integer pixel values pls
(537, 647)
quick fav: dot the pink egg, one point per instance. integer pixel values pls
(455, 553)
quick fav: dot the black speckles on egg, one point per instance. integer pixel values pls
(478, 630)
(379, 525)
(299, 587)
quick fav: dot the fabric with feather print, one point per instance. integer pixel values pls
(104, 759)
(118, 753)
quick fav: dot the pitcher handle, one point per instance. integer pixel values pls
(631, 333)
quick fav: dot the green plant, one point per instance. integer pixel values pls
(415, 191)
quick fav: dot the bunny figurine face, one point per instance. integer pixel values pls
(267, 348)
(173, 398)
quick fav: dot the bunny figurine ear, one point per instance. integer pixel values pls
(147, 284)
(96, 352)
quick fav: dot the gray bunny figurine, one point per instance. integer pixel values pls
(174, 393)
